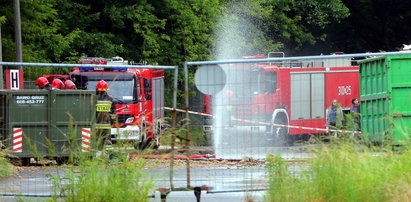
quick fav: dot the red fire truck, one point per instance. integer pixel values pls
(295, 93)
(138, 95)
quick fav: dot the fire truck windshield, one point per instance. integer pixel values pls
(119, 90)
(122, 85)
(246, 81)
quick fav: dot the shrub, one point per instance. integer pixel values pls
(5, 167)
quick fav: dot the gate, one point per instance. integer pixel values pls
(234, 115)
(42, 129)
(254, 108)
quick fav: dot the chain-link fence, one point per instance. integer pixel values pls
(240, 113)
(46, 126)
(259, 107)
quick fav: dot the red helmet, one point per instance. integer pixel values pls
(68, 84)
(57, 83)
(41, 82)
(102, 86)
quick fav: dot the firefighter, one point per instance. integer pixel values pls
(69, 85)
(43, 83)
(57, 84)
(104, 109)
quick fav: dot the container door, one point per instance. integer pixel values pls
(158, 97)
(307, 96)
(300, 96)
(27, 122)
(317, 96)
(71, 111)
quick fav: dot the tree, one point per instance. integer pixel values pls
(372, 26)
(40, 37)
(240, 30)
(302, 23)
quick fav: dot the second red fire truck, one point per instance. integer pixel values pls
(295, 93)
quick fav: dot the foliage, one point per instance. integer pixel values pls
(98, 181)
(174, 31)
(2, 19)
(41, 39)
(5, 167)
(196, 135)
(300, 23)
(343, 172)
(99, 175)
(239, 31)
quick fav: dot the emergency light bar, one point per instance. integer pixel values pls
(102, 61)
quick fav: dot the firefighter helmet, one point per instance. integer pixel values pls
(41, 82)
(57, 83)
(102, 86)
(68, 84)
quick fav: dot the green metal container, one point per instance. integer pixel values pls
(385, 84)
(45, 122)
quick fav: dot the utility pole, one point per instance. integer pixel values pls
(1, 60)
(17, 32)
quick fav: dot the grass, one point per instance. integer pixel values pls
(196, 133)
(99, 180)
(344, 171)
(110, 176)
(5, 166)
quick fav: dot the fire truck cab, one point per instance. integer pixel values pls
(138, 96)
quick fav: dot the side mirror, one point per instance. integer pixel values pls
(147, 85)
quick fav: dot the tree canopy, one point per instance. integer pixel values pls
(173, 31)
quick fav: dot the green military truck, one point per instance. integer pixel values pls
(46, 123)
(385, 84)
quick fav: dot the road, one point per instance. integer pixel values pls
(225, 179)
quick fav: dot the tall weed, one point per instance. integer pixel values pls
(97, 180)
(5, 166)
(344, 171)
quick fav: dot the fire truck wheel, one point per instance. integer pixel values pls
(156, 142)
(280, 136)
(141, 145)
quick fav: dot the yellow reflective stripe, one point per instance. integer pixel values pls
(103, 127)
(103, 107)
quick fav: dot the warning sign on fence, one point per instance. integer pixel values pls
(14, 79)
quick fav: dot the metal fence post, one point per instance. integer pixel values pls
(1, 60)
(187, 125)
(17, 30)
(174, 123)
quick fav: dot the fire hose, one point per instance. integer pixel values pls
(267, 123)
(176, 157)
